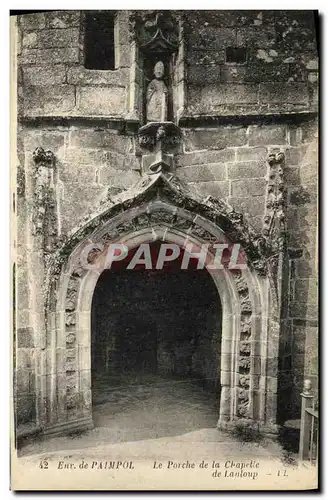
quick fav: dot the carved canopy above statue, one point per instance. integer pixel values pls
(155, 30)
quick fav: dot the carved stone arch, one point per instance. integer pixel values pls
(168, 210)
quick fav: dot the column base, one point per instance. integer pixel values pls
(78, 425)
(249, 429)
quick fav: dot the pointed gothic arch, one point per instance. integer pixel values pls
(161, 207)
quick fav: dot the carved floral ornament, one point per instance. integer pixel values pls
(274, 224)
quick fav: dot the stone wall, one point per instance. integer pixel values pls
(233, 116)
(280, 69)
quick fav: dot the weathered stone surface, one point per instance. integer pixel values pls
(214, 188)
(50, 56)
(292, 93)
(32, 21)
(44, 75)
(83, 76)
(210, 171)
(103, 101)
(55, 99)
(25, 408)
(230, 74)
(25, 337)
(240, 170)
(306, 290)
(206, 99)
(218, 138)
(254, 187)
(203, 157)
(267, 135)
(251, 154)
(52, 38)
(198, 74)
(301, 195)
(99, 138)
(63, 19)
(252, 206)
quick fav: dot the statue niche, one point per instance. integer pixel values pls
(157, 96)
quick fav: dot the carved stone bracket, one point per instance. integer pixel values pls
(44, 207)
(158, 141)
(274, 224)
(159, 135)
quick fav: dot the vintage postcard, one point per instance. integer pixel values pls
(164, 250)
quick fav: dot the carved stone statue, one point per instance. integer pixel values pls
(157, 96)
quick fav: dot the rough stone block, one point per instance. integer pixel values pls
(251, 154)
(214, 188)
(50, 56)
(218, 138)
(30, 40)
(32, 21)
(48, 139)
(258, 71)
(124, 57)
(63, 19)
(253, 187)
(81, 200)
(68, 37)
(115, 178)
(205, 58)
(301, 195)
(200, 158)
(309, 175)
(230, 73)
(295, 155)
(306, 290)
(305, 268)
(303, 310)
(25, 337)
(199, 74)
(209, 97)
(110, 101)
(256, 36)
(79, 166)
(267, 134)
(289, 93)
(25, 381)
(100, 138)
(25, 408)
(55, 100)
(78, 75)
(196, 173)
(252, 206)
(292, 175)
(240, 170)
(44, 75)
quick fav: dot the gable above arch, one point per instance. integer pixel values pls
(124, 210)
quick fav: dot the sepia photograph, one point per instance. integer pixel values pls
(164, 250)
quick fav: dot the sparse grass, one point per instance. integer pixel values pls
(247, 432)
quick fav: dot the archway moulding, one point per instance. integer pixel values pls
(163, 205)
(136, 208)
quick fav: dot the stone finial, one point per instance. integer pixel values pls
(307, 387)
(40, 156)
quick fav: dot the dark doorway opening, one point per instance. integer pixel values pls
(156, 337)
